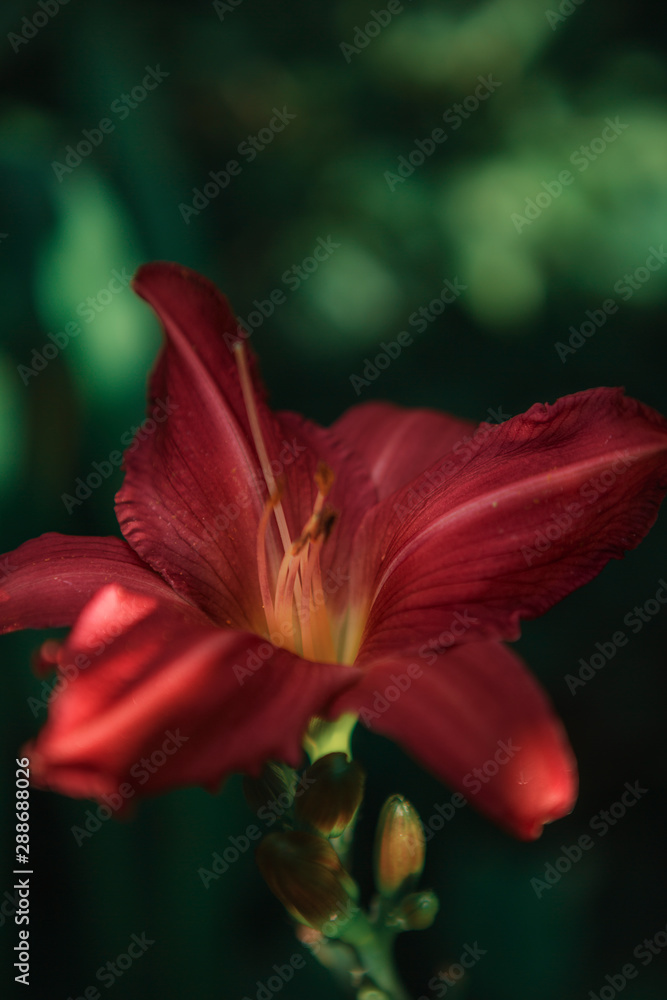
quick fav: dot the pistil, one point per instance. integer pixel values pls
(296, 605)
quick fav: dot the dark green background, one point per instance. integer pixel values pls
(494, 348)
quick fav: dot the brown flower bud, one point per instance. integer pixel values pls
(307, 876)
(415, 912)
(334, 788)
(399, 846)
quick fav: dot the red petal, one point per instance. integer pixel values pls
(534, 512)
(479, 722)
(47, 581)
(396, 444)
(194, 493)
(227, 708)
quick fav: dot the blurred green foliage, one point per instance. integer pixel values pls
(63, 234)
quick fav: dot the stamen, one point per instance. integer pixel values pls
(256, 430)
(298, 590)
(287, 580)
(262, 569)
(315, 625)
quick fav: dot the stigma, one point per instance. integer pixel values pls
(291, 582)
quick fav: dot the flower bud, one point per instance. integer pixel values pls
(334, 788)
(307, 876)
(399, 846)
(415, 913)
(274, 789)
(372, 992)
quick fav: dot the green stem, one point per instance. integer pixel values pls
(373, 945)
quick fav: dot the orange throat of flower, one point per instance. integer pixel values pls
(293, 598)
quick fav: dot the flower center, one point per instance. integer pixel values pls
(292, 595)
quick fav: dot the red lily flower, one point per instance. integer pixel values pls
(273, 572)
